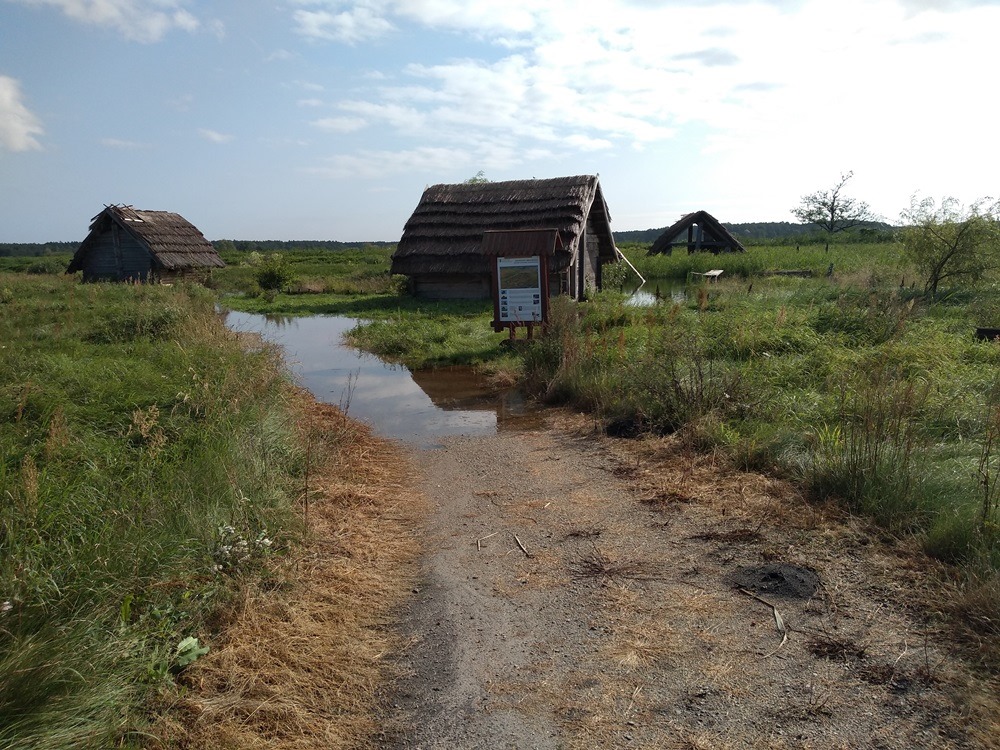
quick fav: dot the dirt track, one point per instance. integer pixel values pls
(581, 592)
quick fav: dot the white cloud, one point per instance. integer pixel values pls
(350, 27)
(138, 20)
(279, 54)
(18, 125)
(124, 145)
(310, 102)
(373, 164)
(340, 124)
(214, 136)
(770, 98)
(586, 143)
(946, 6)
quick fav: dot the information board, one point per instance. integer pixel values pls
(519, 285)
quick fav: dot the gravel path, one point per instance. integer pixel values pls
(581, 592)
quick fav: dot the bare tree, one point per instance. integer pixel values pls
(833, 211)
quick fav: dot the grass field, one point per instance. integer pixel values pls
(148, 458)
(146, 461)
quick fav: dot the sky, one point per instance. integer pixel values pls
(323, 119)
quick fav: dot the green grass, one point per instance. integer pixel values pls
(145, 458)
(329, 273)
(44, 264)
(847, 259)
(849, 385)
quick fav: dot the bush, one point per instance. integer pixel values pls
(45, 266)
(273, 273)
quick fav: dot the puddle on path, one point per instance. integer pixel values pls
(417, 407)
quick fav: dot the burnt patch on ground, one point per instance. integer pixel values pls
(776, 579)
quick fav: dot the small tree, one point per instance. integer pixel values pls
(273, 274)
(950, 241)
(832, 211)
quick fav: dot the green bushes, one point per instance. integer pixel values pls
(137, 442)
(641, 369)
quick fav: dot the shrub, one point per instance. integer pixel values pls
(273, 273)
(45, 266)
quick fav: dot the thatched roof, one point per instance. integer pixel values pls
(445, 232)
(716, 237)
(520, 242)
(174, 242)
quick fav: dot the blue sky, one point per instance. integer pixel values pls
(321, 119)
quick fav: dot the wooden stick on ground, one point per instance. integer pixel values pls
(525, 551)
(479, 542)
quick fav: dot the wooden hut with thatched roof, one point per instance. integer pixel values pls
(125, 244)
(441, 250)
(699, 232)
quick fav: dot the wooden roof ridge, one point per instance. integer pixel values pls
(703, 219)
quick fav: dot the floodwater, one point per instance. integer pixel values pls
(413, 406)
(657, 290)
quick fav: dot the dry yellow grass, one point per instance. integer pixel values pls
(300, 665)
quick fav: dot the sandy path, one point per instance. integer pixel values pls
(578, 592)
(494, 629)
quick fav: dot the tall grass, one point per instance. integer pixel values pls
(422, 334)
(761, 259)
(867, 456)
(644, 370)
(859, 389)
(145, 459)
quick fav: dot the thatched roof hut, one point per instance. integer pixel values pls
(441, 249)
(125, 244)
(699, 232)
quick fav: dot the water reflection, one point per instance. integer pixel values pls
(416, 407)
(653, 292)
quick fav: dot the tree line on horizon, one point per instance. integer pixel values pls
(764, 230)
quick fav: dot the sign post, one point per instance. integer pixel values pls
(520, 277)
(519, 291)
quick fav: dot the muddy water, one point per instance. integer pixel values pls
(417, 407)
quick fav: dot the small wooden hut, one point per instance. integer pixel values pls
(125, 244)
(441, 250)
(700, 232)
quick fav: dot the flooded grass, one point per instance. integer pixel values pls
(416, 406)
